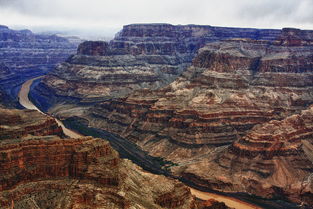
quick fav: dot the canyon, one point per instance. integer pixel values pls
(24, 55)
(147, 56)
(224, 110)
(205, 115)
(41, 168)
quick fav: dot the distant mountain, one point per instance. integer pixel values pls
(25, 55)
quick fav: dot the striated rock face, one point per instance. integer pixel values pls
(232, 87)
(272, 160)
(140, 56)
(21, 123)
(41, 170)
(80, 173)
(22, 50)
(24, 55)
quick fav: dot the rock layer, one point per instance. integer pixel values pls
(273, 160)
(24, 55)
(50, 172)
(232, 86)
(21, 123)
(140, 56)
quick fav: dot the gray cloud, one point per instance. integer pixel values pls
(108, 14)
(280, 11)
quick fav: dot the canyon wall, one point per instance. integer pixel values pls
(147, 56)
(273, 160)
(16, 124)
(24, 55)
(230, 88)
(41, 170)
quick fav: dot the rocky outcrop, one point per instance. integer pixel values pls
(80, 173)
(24, 55)
(41, 170)
(21, 123)
(140, 56)
(273, 160)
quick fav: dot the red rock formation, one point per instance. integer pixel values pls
(140, 56)
(50, 172)
(231, 87)
(273, 160)
(20, 123)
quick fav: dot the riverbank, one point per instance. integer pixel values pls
(229, 201)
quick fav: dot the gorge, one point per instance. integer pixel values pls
(222, 109)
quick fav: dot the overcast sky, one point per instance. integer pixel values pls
(108, 16)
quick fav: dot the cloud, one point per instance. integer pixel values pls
(279, 12)
(95, 14)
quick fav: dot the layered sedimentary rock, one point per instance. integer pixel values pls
(232, 86)
(140, 56)
(23, 50)
(48, 172)
(24, 55)
(272, 160)
(21, 123)
(41, 170)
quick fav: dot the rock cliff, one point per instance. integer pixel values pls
(140, 56)
(47, 172)
(24, 55)
(21, 123)
(232, 87)
(273, 160)
(41, 170)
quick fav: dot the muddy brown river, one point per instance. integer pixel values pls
(229, 201)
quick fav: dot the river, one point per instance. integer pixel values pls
(25, 102)
(229, 201)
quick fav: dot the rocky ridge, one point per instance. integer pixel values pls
(22, 123)
(41, 170)
(273, 160)
(24, 55)
(147, 56)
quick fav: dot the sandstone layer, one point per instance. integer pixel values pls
(273, 160)
(24, 55)
(22, 123)
(232, 87)
(146, 56)
(41, 170)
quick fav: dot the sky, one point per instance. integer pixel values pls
(106, 17)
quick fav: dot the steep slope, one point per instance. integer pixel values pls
(140, 56)
(232, 86)
(45, 171)
(24, 54)
(48, 172)
(21, 123)
(273, 160)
